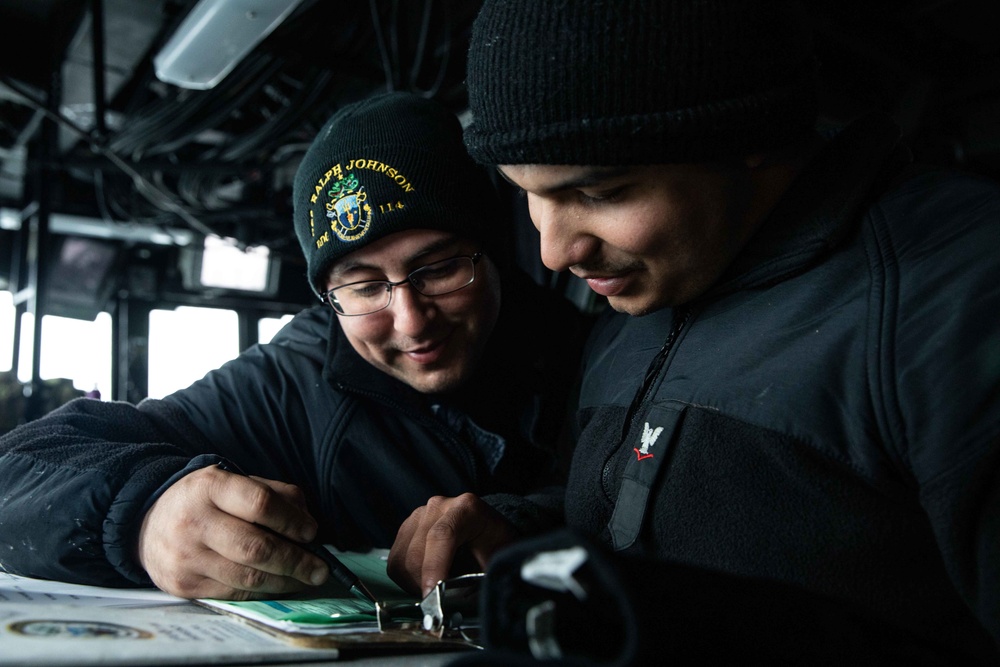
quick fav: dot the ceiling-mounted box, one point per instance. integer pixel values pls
(215, 37)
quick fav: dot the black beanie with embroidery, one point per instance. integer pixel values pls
(617, 82)
(385, 164)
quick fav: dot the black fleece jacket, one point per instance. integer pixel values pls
(810, 473)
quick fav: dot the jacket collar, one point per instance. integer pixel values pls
(347, 371)
(822, 206)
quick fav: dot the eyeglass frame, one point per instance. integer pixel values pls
(327, 296)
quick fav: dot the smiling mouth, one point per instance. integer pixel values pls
(427, 354)
(608, 285)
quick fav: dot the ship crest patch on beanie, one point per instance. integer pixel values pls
(348, 211)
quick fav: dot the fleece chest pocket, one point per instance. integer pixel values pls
(650, 437)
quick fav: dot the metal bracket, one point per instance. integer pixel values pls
(450, 609)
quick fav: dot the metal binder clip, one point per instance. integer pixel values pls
(450, 607)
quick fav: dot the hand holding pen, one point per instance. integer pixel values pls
(216, 534)
(338, 570)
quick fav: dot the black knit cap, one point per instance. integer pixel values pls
(616, 82)
(382, 165)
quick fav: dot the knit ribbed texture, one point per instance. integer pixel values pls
(382, 165)
(636, 81)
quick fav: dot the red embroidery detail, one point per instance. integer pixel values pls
(640, 456)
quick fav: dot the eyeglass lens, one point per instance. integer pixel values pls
(434, 279)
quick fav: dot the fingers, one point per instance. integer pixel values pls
(406, 556)
(259, 560)
(219, 577)
(266, 502)
(219, 534)
(455, 524)
(277, 511)
(427, 542)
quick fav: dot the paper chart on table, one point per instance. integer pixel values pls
(25, 590)
(61, 635)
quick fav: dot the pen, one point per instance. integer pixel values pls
(338, 570)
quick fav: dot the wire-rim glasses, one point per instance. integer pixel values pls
(437, 279)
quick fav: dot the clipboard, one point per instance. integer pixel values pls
(333, 618)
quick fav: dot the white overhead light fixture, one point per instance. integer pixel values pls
(215, 37)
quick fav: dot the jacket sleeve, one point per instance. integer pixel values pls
(75, 484)
(532, 513)
(940, 370)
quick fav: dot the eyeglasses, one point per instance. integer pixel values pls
(370, 296)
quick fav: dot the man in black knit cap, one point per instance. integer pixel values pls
(789, 424)
(359, 410)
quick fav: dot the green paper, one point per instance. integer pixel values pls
(328, 607)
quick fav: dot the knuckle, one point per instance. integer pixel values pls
(434, 504)
(258, 499)
(442, 507)
(301, 567)
(407, 529)
(207, 479)
(296, 494)
(250, 579)
(255, 550)
(445, 529)
(245, 595)
(185, 521)
(182, 584)
(467, 502)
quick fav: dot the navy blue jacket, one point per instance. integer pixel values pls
(306, 409)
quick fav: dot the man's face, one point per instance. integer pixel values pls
(644, 236)
(431, 343)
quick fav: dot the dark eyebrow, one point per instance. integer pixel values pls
(593, 176)
(346, 266)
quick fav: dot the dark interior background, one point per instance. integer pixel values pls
(98, 214)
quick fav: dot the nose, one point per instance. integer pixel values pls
(411, 310)
(565, 241)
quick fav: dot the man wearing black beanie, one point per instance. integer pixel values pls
(430, 367)
(789, 424)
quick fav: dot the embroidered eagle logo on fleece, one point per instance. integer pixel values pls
(649, 437)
